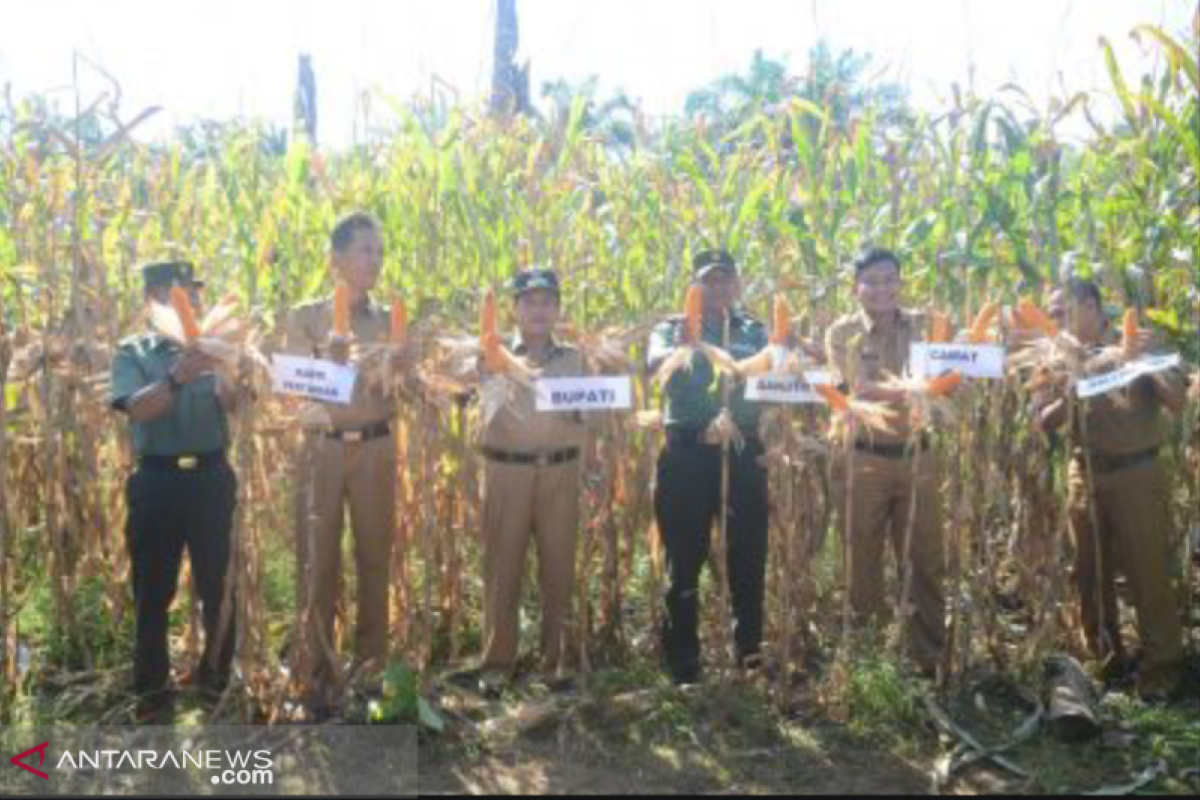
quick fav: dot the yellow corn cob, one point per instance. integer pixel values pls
(1130, 331)
(1029, 317)
(939, 328)
(781, 322)
(837, 401)
(187, 316)
(341, 311)
(979, 333)
(399, 322)
(944, 384)
(693, 312)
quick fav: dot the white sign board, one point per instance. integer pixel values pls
(609, 393)
(1110, 381)
(787, 389)
(315, 380)
(927, 360)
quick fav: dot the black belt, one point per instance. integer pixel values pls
(896, 451)
(698, 437)
(194, 463)
(550, 459)
(1104, 465)
(367, 434)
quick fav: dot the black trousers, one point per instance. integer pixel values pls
(687, 502)
(169, 510)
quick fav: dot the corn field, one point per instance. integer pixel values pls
(984, 201)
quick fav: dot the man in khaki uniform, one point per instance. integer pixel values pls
(349, 459)
(865, 348)
(1123, 525)
(531, 488)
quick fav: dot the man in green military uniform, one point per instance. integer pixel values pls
(181, 495)
(687, 496)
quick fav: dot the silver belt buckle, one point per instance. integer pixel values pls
(352, 436)
(187, 463)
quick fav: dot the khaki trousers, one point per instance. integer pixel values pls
(883, 495)
(1130, 536)
(523, 501)
(335, 475)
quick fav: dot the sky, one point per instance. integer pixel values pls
(226, 59)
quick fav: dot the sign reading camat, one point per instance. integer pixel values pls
(312, 379)
(585, 394)
(969, 360)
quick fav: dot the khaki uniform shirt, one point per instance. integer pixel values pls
(863, 352)
(308, 331)
(518, 427)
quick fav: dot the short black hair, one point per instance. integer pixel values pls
(348, 226)
(873, 258)
(1081, 289)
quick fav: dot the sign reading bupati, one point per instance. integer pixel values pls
(787, 389)
(608, 393)
(927, 360)
(1118, 378)
(313, 379)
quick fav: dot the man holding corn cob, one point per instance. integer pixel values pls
(688, 487)
(349, 458)
(183, 493)
(865, 348)
(531, 482)
(1120, 498)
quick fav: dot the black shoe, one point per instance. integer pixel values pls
(690, 675)
(756, 665)
(564, 684)
(155, 708)
(493, 684)
(206, 685)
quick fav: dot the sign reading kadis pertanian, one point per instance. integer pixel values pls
(985, 361)
(313, 379)
(608, 393)
(1119, 378)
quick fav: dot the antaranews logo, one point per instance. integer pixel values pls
(228, 767)
(19, 759)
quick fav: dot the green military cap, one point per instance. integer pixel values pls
(706, 261)
(165, 274)
(531, 279)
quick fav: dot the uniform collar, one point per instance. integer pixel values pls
(159, 342)
(366, 308)
(871, 326)
(520, 349)
(735, 319)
